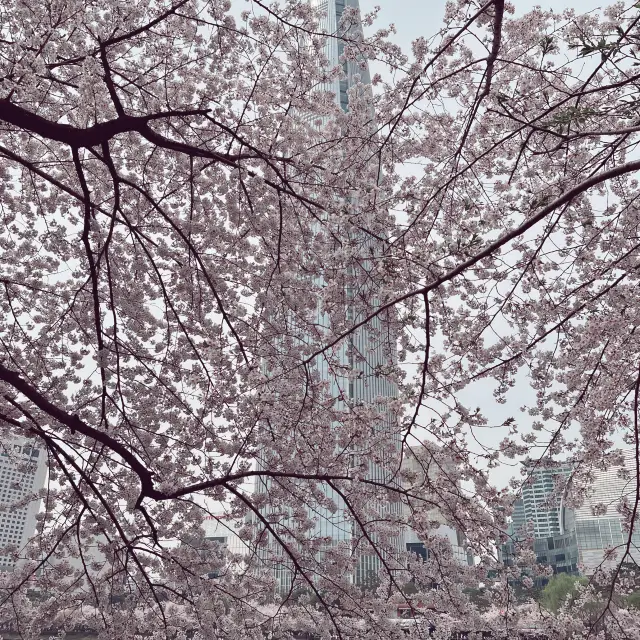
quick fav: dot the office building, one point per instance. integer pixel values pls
(367, 354)
(541, 499)
(22, 474)
(598, 523)
(223, 546)
(453, 536)
(539, 514)
(577, 539)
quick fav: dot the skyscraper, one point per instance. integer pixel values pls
(22, 475)
(540, 505)
(334, 48)
(366, 353)
(539, 513)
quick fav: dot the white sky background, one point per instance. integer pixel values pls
(413, 19)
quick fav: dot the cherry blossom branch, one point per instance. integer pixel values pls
(99, 133)
(75, 424)
(489, 250)
(443, 49)
(146, 476)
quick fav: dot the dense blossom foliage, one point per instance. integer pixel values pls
(181, 201)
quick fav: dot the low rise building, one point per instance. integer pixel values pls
(428, 464)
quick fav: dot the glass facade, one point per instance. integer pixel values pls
(331, 13)
(597, 534)
(419, 549)
(366, 354)
(560, 552)
(562, 534)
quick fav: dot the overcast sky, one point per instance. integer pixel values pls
(412, 19)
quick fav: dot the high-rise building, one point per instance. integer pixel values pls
(540, 514)
(332, 12)
(541, 506)
(22, 474)
(598, 523)
(367, 352)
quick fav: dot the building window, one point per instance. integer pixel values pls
(418, 548)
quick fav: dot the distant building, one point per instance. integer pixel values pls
(540, 507)
(598, 522)
(455, 538)
(213, 543)
(519, 516)
(23, 472)
(557, 549)
(224, 529)
(412, 463)
(368, 353)
(540, 514)
(572, 540)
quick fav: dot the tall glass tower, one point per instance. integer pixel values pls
(332, 11)
(366, 354)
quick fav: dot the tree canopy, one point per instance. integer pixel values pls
(195, 239)
(560, 590)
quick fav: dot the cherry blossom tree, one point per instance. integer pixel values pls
(182, 200)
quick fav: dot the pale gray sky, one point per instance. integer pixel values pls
(412, 19)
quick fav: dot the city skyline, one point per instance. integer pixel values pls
(582, 538)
